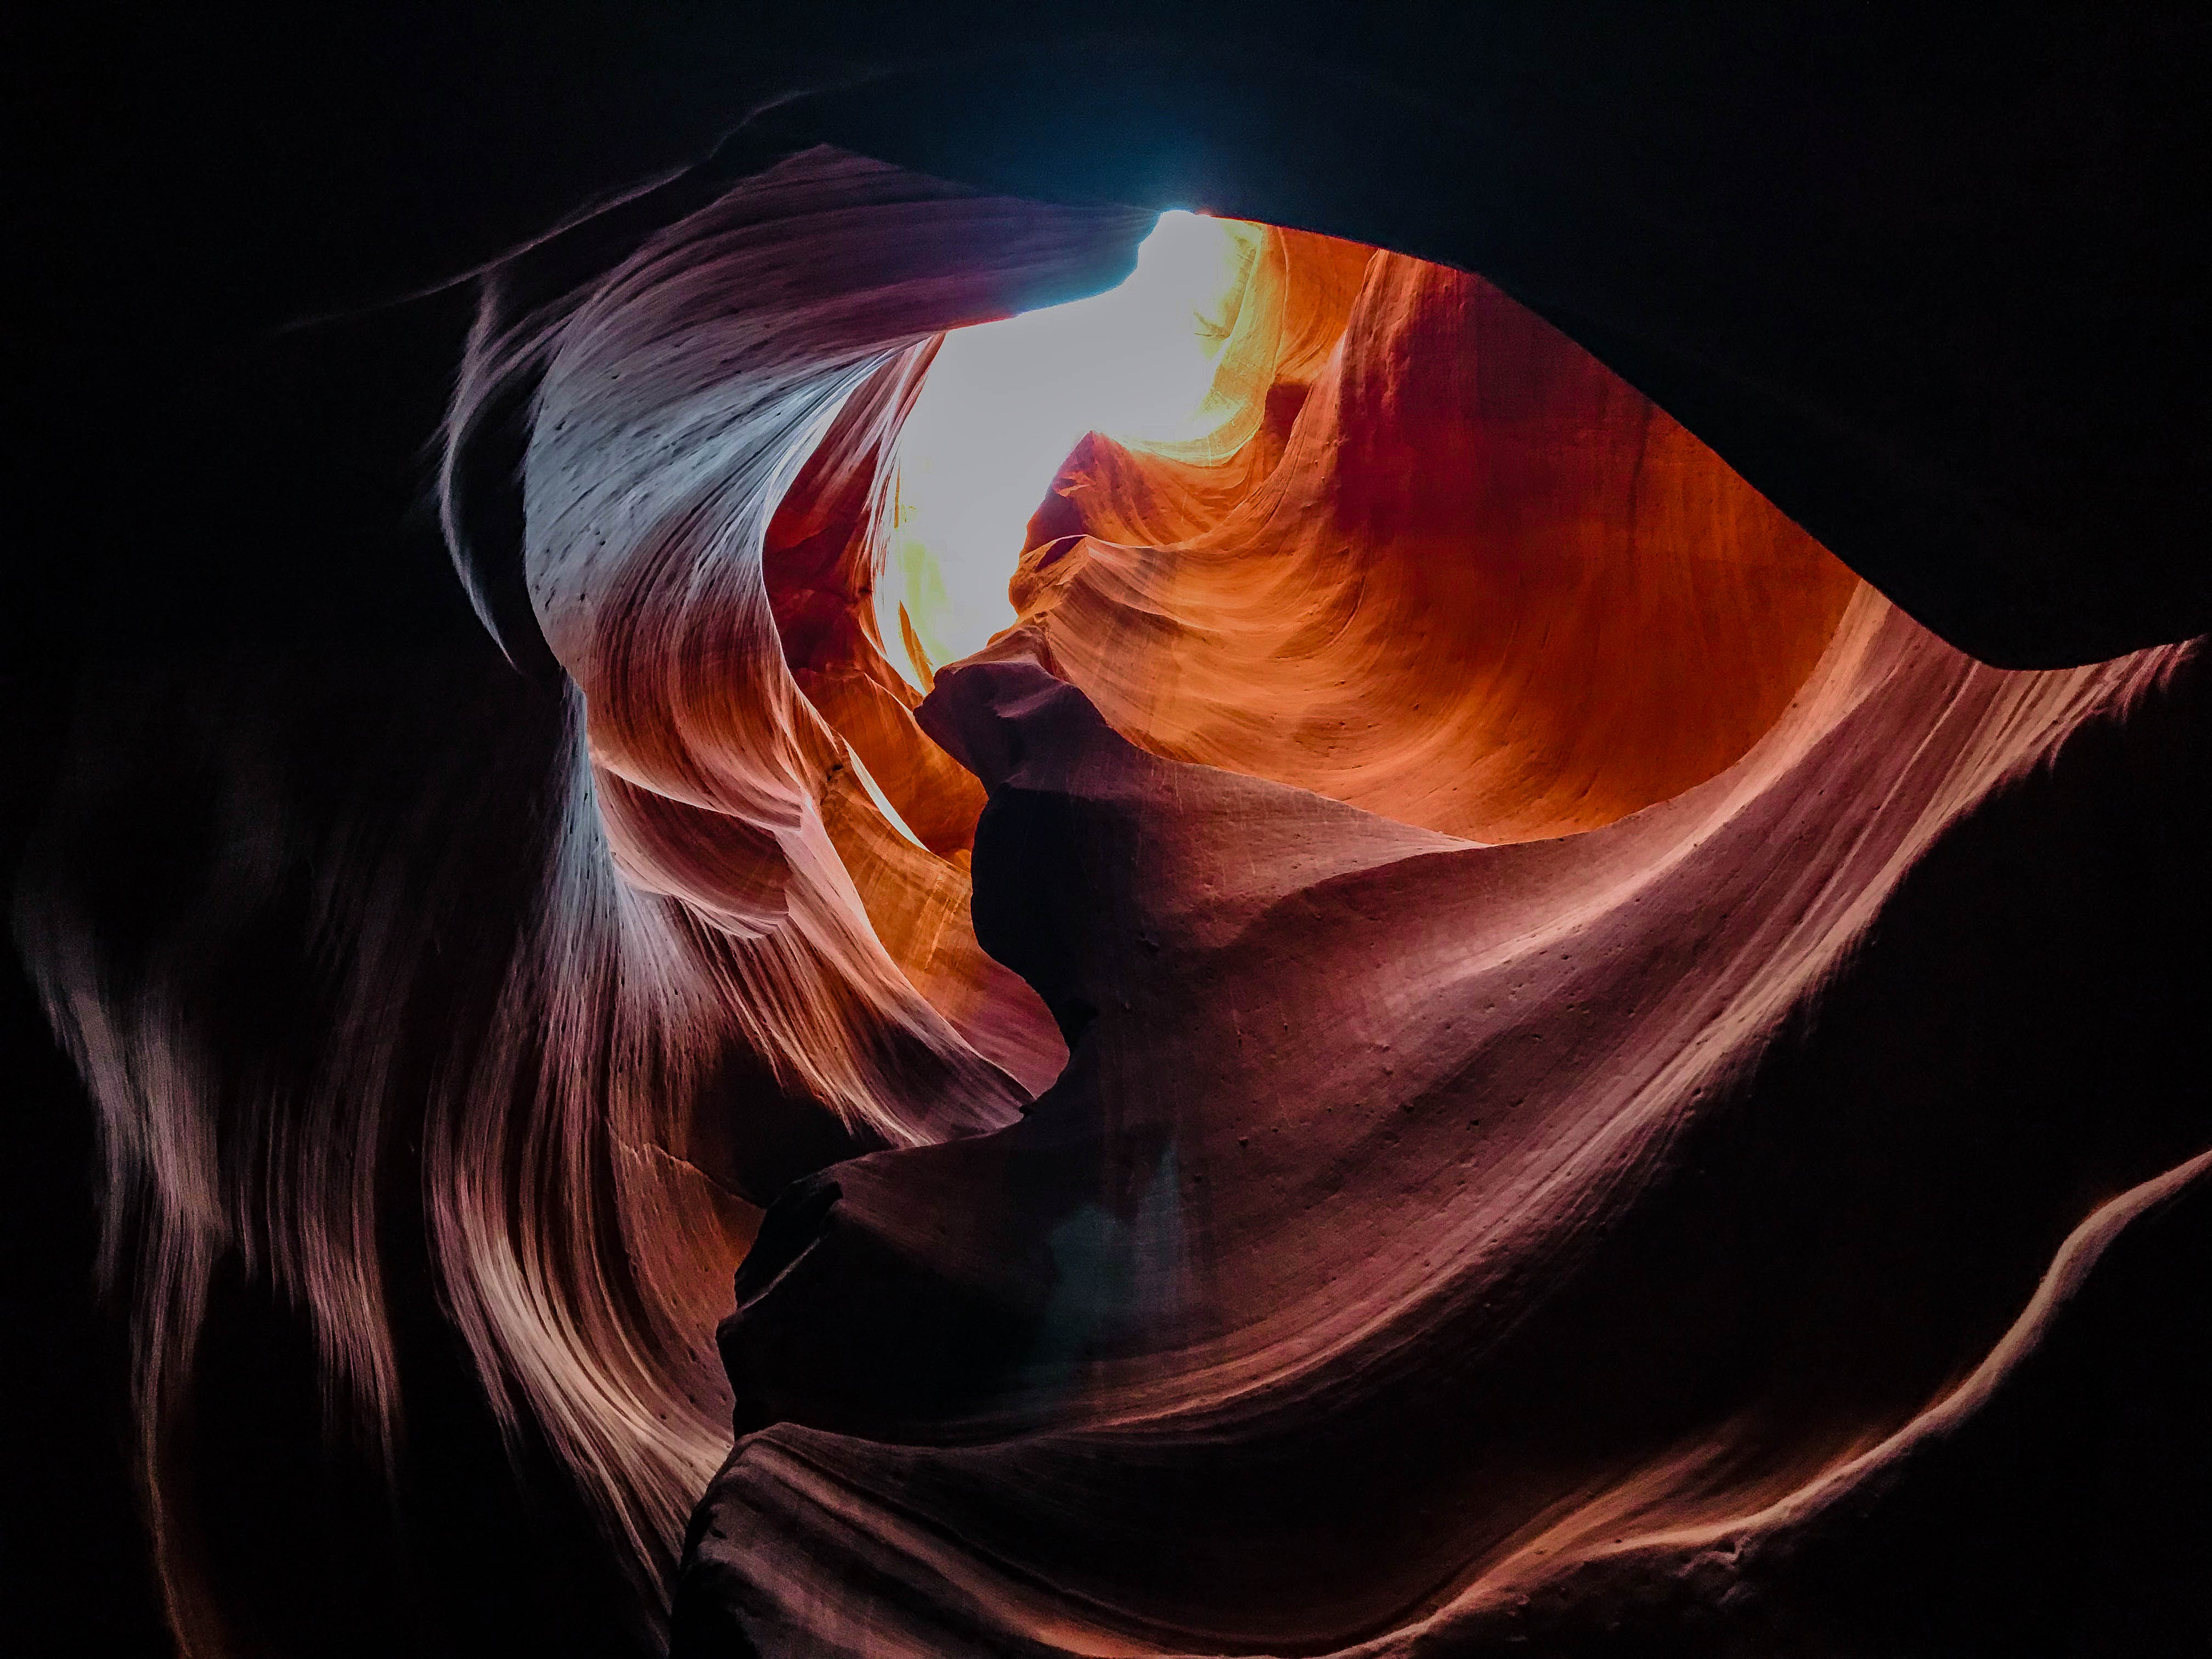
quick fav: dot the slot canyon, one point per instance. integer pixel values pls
(1214, 831)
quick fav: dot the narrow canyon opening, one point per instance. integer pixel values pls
(1183, 940)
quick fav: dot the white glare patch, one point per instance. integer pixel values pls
(1004, 402)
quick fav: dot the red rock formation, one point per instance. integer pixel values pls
(1485, 587)
(1357, 1080)
(1416, 1227)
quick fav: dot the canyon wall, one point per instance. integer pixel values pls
(1459, 1036)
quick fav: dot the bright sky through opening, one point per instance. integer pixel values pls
(1004, 404)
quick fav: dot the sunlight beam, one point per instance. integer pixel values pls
(1005, 401)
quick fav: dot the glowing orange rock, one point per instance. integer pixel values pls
(1485, 588)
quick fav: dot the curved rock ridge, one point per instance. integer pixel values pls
(1478, 583)
(1432, 561)
(498, 1079)
(1422, 1233)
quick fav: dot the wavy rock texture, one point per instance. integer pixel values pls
(1416, 1229)
(1427, 1054)
(591, 1005)
(1483, 586)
